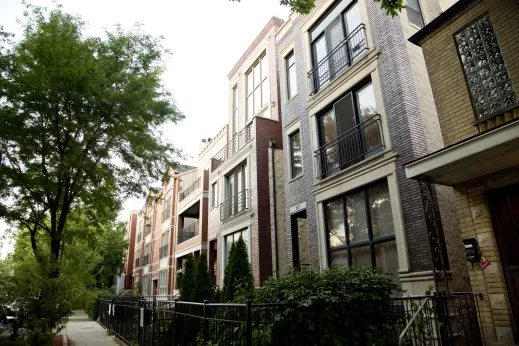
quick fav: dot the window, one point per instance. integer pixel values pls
(214, 195)
(138, 258)
(360, 229)
(295, 154)
(349, 132)
(164, 243)
(290, 63)
(163, 281)
(236, 192)
(166, 211)
(145, 285)
(414, 13)
(487, 77)
(231, 238)
(235, 120)
(147, 254)
(139, 235)
(336, 42)
(258, 95)
(148, 225)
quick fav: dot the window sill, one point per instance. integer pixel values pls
(290, 99)
(414, 26)
(493, 115)
(296, 178)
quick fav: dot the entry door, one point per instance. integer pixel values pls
(504, 209)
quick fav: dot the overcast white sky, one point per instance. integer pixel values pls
(206, 38)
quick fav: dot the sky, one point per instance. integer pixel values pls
(206, 38)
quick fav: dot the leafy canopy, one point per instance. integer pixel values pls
(80, 119)
(392, 7)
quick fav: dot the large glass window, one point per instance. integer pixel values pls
(258, 95)
(145, 285)
(138, 258)
(336, 42)
(360, 229)
(290, 63)
(236, 192)
(164, 243)
(232, 238)
(163, 281)
(166, 211)
(147, 254)
(414, 13)
(349, 132)
(487, 77)
(296, 154)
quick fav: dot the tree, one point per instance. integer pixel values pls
(187, 283)
(238, 273)
(203, 283)
(392, 7)
(79, 123)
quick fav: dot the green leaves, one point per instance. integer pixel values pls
(203, 283)
(187, 282)
(238, 281)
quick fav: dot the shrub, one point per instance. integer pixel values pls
(203, 283)
(238, 274)
(187, 283)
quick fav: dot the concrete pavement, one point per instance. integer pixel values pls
(84, 332)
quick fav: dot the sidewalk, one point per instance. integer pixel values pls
(84, 332)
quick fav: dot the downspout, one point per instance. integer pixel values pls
(272, 145)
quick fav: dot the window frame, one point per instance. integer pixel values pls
(291, 148)
(235, 112)
(466, 76)
(263, 79)
(417, 11)
(371, 242)
(224, 241)
(214, 195)
(288, 69)
(163, 274)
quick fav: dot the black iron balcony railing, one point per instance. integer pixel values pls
(188, 232)
(137, 262)
(146, 259)
(235, 144)
(355, 145)
(339, 59)
(190, 189)
(234, 205)
(163, 251)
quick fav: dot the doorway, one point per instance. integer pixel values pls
(504, 209)
(155, 287)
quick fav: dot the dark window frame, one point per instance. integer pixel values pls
(288, 68)
(290, 139)
(371, 242)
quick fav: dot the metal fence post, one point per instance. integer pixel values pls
(174, 320)
(362, 324)
(248, 307)
(206, 325)
(153, 322)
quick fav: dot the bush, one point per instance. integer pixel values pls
(238, 281)
(187, 283)
(203, 283)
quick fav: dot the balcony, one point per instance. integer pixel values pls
(188, 232)
(234, 205)
(189, 190)
(355, 145)
(338, 60)
(235, 144)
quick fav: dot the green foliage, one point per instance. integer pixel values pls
(238, 281)
(392, 7)
(335, 284)
(203, 283)
(187, 283)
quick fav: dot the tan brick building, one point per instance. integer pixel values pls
(472, 56)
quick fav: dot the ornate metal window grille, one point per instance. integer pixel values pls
(487, 77)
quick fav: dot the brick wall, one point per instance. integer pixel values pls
(450, 89)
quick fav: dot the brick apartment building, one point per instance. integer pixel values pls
(130, 235)
(472, 56)
(356, 105)
(239, 172)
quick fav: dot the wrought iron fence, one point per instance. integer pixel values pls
(353, 146)
(238, 141)
(339, 59)
(234, 205)
(188, 232)
(189, 190)
(410, 321)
